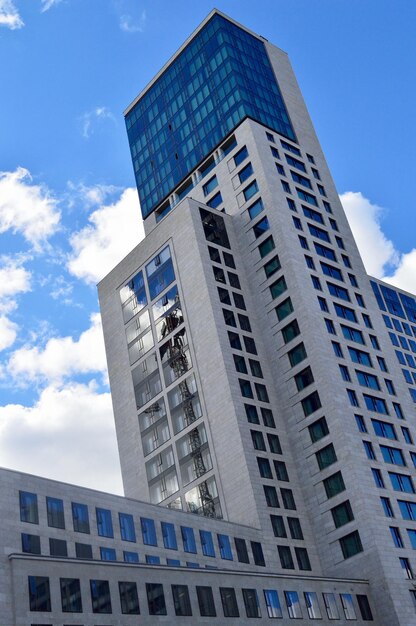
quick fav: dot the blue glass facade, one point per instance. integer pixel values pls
(222, 76)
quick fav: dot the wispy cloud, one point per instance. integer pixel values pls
(89, 119)
(131, 25)
(380, 256)
(48, 4)
(9, 15)
(14, 280)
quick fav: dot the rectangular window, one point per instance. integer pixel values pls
(271, 598)
(278, 287)
(312, 605)
(318, 429)
(104, 523)
(39, 593)
(241, 155)
(288, 499)
(278, 526)
(181, 600)
(342, 514)
(83, 550)
(293, 604)
(245, 173)
(266, 246)
(100, 596)
(127, 529)
(302, 559)
(256, 208)
(206, 602)
(28, 507)
(378, 405)
(338, 292)
(319, 233)
(156, 599)
(229, 602)
(290, 331)
(352, 334)
(30, 543)
(257, 551)
(401, 482)
(251, 603)
(364, 607)
(129, 600)
(58, 547)
(297, 354)
(241, 549)
(210, 186)
(334, 485)
(108, 554)
(261, 227)
(326, 456)
(55, 511)
(307, 197)
(392, 455)
(188, 539)
(285, 555)
(169, 536)
(148, 531)
(331, 605)
(351, 544)
(270, 494)
(80, 517)
(311, 403)
(70, 595)
(130, 557)
(272, 266)
(207, 543)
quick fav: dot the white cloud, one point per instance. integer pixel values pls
(61, 357)
(379, 254)
(48, 4)
(89, 119)
(27, 208)
(113, 231)
(67, 435)
(9, 15)
(129, 25)
(8, 332)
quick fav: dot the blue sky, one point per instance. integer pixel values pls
(68, 210)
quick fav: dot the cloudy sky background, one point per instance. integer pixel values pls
(69, 212)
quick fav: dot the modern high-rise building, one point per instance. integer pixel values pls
(264, 386)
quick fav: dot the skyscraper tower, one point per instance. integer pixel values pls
(253, 376)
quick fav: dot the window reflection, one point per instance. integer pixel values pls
(160, 272)
(133, 297)
(146, 380)
(184, 404)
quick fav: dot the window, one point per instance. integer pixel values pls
(210, 186)
(333, 485)
(316, 283)
(311, 403)
(264, 468)
(304, 379)
(278, 287)
(258, 440)
(278, 526)
(127, 529)
(288, 499)
(295, 163)
(257, 207)
(129, 600)
(241, 155)
(295, 528)
(251, 414)
(83, 550)
(392, 455)
(70, 595)
(359, 356)
(229, 602)
(303, 243)
(312, 605)
(396, 536)
(58, 547)
(290, 331)
(407, 509)
(156, 599)
(345, 312)
(148, 531)
(234, 280)
(285, 556)
(340, 243)
(407, 570)
(245, 173)
(331, 605)
(318, 430)
(28, 507)
(367, 320)
(374, 342)
(378, 478)
(271, 599)
(39, 593)
(326, 456)
(104, 523)
(297, 354)
(280, 169)
(301, 180)
(337, 349)
(384, 429)
(132, 557)
(406, 435)
(229, 318)
(108, 554)
(266, 246)
(181, 600)
(241, 549)
(284, 309)
(245, 388)
(309, 262)
(285, 186)
(367, 380)
(251, 603)
(319, 233)
(228, 259)
(325, 252)
(342, 514)
(291, 204)
(257, 551)
(169, 536)
(271, 496)
(239, 301)
(345, 375)
(240, 364)
(398, 410)
(364, 607)
(214, 254)
(272, 266)
(377, 405)
(80, 517)
(387, 508)
(368, 447)
(100, 596)
(152, 560)
(412, 537)
(30, 543)
(302, 559)
(351, 544)
(261, 227)
(225, 547)
(293, 604)
(330, 327)
(401, 482)
(55, 512)
(307, 197)
(188, 539)
(338, 292)
(312, 214)
(360, 423)
(234, 340)
(206, 602)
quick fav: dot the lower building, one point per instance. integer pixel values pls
(74, 556)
